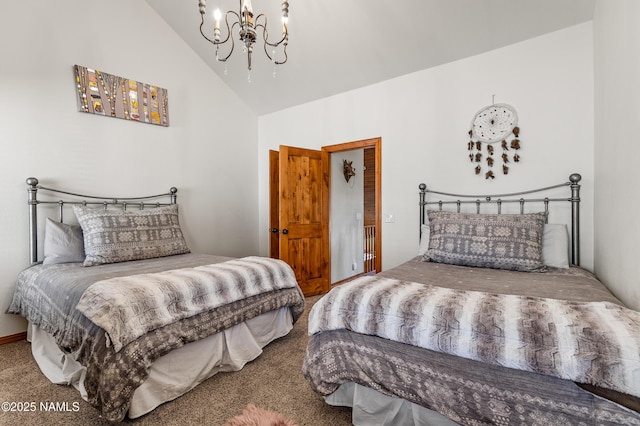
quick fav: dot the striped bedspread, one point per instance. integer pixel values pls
(128, 307)
(597, 343)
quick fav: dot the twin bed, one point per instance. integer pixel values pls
(120, 308)
(494, 323)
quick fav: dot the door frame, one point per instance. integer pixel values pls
(274, 203)
(376, 144)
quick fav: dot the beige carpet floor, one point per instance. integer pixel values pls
(273, 381)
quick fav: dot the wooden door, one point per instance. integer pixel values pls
(303, 229)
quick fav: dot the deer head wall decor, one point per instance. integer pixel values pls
(348, 170)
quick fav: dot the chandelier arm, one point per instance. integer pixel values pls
(202, 32)
(265, 32)
(272, 58)
(226, 21)
(266, 43)
(266, 52)
(284, 51)
(233, 43)
(262, 15)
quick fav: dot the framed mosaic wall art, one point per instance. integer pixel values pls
(113, 96)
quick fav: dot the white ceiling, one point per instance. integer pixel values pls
(340, 45)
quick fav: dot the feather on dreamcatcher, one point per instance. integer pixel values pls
(491, 125)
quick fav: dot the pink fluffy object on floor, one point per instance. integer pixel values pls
(255, 416)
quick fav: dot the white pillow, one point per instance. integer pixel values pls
(62, 243)
(555, 244)
(424, 239)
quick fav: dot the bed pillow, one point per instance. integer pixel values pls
(424, 240)
(112, 235)
(500, 241)
(62, 243)
(555, 246)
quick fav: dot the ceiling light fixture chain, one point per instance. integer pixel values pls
(248, 30)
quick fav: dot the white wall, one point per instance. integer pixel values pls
(42, 134)
(617, 114)
(423, 119)
(346, 216)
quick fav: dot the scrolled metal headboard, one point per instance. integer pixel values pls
(500, 199)
(80, 199)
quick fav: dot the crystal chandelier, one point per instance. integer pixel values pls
(248, 29)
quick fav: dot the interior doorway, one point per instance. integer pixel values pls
(354, 209)
(301, 200)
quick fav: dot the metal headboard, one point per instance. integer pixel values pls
(32, 192)
(500, 199)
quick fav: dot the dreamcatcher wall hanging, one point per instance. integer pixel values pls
(492, 126)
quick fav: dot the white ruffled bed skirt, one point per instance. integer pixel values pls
(170, 376)
(372, 408)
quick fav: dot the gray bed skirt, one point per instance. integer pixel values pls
(466, 391)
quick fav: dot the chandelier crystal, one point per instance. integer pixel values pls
(247, 29)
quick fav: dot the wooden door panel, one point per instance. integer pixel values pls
(300, 218)
(305, 256)
(305, 252)
(303, 192)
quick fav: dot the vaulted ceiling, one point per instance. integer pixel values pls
(340, 45)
